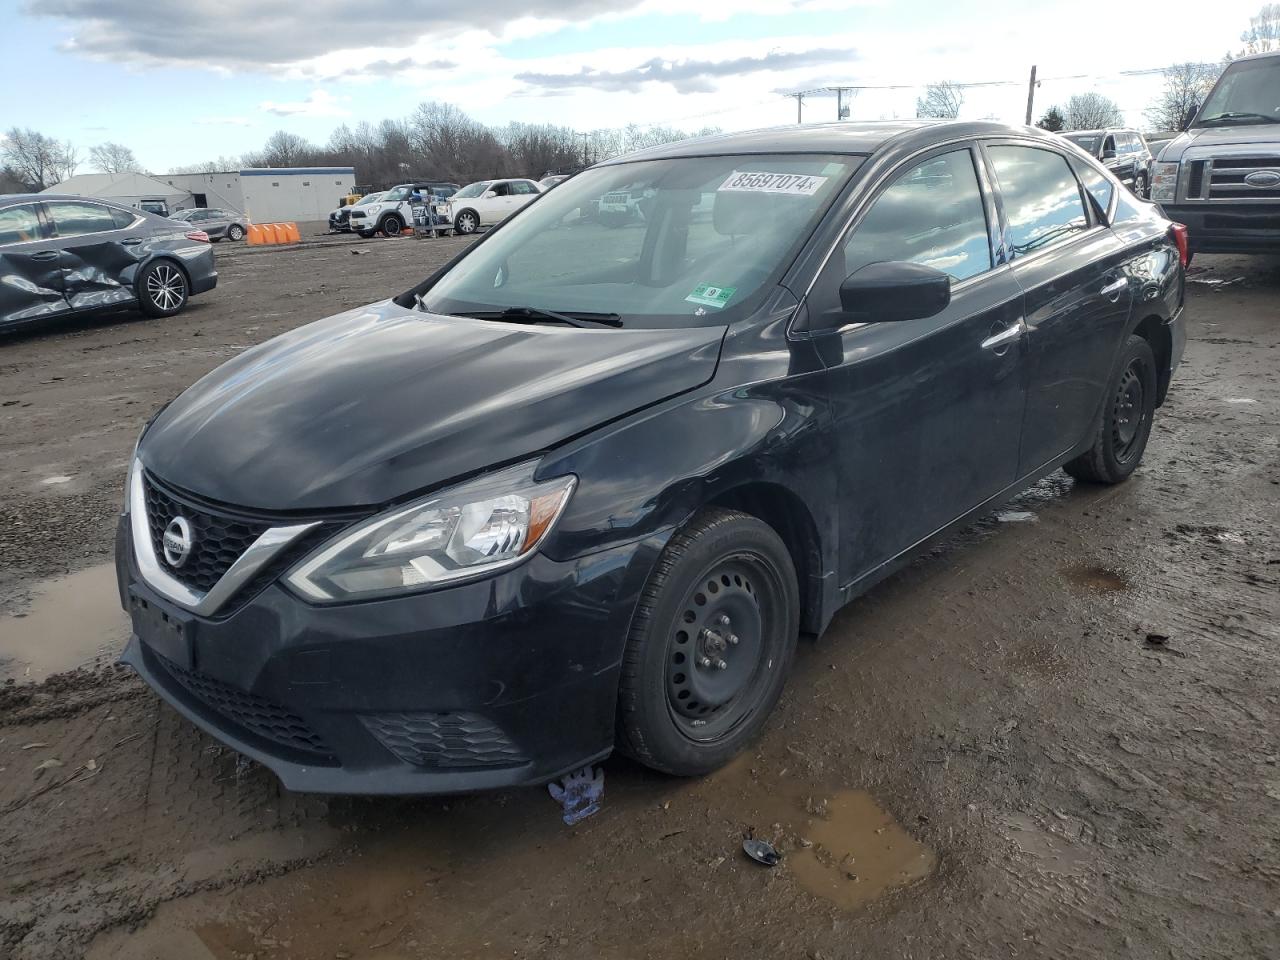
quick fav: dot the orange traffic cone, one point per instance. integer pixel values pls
(255, 235)
(291, 233)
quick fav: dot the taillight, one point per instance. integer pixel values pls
(1178, 231)
(199, 236)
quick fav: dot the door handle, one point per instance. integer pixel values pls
(45, 255)
(131, 241)
(1003, 338)
(1113, 290)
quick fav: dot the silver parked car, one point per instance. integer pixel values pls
(219, 224)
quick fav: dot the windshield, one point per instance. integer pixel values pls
(367, 199)
(1248, 92)
(181, 215)
(1085, 142)
(701, 238)
(472, 190)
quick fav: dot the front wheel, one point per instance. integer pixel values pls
(392, 225)
(235, 232)
(710, 644)
(1125, 425)
(162, 289)
(466, 223)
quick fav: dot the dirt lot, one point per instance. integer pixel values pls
(985, 757)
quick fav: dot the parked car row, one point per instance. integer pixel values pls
(219, 224)
(61, 255)
(1124, 152)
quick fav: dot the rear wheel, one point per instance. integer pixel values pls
(1125, 425)
(235, 232)
(710, 645)
(162, 289)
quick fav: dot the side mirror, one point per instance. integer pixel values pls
(490, 194)
(897, 290)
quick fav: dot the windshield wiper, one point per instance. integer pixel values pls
(1240, 116)
(583, 320)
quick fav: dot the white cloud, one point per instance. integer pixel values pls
(224, 121)
(321, 103)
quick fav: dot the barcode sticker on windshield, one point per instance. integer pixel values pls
(793, 184)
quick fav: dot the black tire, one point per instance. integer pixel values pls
(162, 288)
(366, 233)
(235, 232)
(466, 223)
(391, 225)
(725, 588)
(1120, 439)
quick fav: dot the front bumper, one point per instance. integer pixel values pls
(506, 681)
(1228, 228)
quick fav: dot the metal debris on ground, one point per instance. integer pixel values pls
(579, 793)
(761, 851)
(1213, 282)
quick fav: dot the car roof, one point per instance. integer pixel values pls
(847, 137)
(6, 198)
(1256, 56)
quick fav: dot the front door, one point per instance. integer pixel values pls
(1078, 296)
(30, 268)
(927, 412)
(98, 257)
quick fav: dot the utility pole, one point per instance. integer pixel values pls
(799, 106)
(585, 138)
(842, 112)
(1031, 95)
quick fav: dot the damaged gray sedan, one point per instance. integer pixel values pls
(74, 255)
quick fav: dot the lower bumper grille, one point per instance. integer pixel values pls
(443, 739)
(253, 713)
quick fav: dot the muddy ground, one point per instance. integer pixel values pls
(985, 757)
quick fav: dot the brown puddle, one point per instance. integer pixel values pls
(1096, 579)
(70, 622)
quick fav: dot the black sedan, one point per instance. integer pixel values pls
(584, 488)
(63, 255)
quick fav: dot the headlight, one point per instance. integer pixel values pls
(1164, 181)
(472, 530)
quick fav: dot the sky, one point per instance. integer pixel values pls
(189, 81)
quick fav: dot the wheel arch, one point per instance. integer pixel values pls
(1155, 331)
(790, 518)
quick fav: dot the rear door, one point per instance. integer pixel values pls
(1070, 266)
(99, 255)
(30, 267)
(523, 191)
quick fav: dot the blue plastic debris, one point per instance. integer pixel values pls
(580, 794)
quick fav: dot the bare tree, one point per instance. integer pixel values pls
(35, 159)
(1091, 111)
(113, 158)
(1264, 31)
(1185, 87)
(284, 149)
(941, 100)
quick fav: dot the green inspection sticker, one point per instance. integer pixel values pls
(710, 296)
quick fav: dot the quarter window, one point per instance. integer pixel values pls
(1099, 187)
(18, 224)
(932, 215)
(77, 219)
(1042, 200)
(123, 218)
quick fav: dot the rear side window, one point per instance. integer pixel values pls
(1042, 200)
(18, 224)
(73, 219)
(932, 215)
(122, 218)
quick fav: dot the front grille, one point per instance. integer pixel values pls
(444, 739)
(1195, 179)
(218, 539)
(1227, 179)
(257, 715)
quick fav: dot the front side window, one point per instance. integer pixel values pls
(1042, 201)
(501, 189)
(472, 190)
(706, 245)
(19, 224)
(397, 194)
(932, 215)
(72, 219)
(1099, 187)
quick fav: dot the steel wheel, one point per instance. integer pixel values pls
(1128, 413)
(467, 222)
(163, 289)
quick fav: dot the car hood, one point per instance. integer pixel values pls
(1229, 135)
(378, 403)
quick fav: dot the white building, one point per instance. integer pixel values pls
(264, 195)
